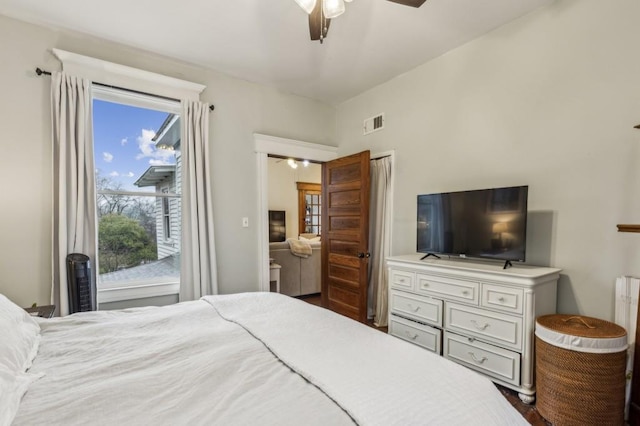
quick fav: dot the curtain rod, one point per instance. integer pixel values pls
(40, 71)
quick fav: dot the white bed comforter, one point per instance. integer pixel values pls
(378, 379)
(191, 364)
(174, 365)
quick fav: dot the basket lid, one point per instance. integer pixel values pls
(580, 333)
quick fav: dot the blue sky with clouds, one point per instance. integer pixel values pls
(123, 147)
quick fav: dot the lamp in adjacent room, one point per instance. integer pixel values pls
(498, 229)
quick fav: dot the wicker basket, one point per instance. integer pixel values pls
(580, 370)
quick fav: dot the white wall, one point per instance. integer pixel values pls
(242, 108)
(283, 192)
(549, 100)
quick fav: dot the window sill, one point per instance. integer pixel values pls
(117, 292)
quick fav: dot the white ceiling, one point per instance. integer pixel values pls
(267, 41)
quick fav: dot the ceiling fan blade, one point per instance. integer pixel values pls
(317, 30)
(412, 3)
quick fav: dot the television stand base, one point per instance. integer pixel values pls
(507, 264)
(430, 254)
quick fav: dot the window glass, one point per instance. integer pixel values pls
(312, 219)
(138, 177)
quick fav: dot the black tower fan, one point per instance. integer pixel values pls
(82, 289)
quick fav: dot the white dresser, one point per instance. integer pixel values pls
(474, 313)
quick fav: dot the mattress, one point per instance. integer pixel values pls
(253, 358)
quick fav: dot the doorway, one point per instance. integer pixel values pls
(264, 146)
(295, 255)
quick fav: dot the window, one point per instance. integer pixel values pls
(138, 176)
(309, 208)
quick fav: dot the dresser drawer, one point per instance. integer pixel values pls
(402, 279)
(422, 335)
(505, 330)
(419, 308)
(506, 299)
(496, 362)
(448, 288)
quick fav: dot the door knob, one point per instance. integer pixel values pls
(364, 255)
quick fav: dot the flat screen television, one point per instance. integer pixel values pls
(277, 226)
(485, 223)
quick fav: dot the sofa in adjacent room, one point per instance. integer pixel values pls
(299, 276)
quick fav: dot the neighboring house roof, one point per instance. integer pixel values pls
(168, 135)
(155, 175)
(168, 267)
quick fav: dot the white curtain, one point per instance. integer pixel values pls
(626, 315)
(379, 240)
(74, 205)
(198, 260)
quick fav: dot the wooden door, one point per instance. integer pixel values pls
(345, 235)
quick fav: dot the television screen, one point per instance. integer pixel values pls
(277, 226)
(487, 223)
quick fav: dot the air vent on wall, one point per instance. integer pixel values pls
(373, 124)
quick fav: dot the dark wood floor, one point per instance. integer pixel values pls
(529, 412)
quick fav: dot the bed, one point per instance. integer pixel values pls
(251, 358)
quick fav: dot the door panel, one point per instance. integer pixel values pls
(345, 198)
(344, 302)
(345, 224)
(345, 236)
(343, 247)
(347, 173)
(347, 276)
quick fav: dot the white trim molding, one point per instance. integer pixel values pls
(110, 73)
(132, 290)
(123, 96)
(292, 148)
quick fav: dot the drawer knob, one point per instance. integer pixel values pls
(479, 361)
(410, 306)
(401, 280)
(411, 336)
(501, 299)
(478, 326)
(465, 292)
